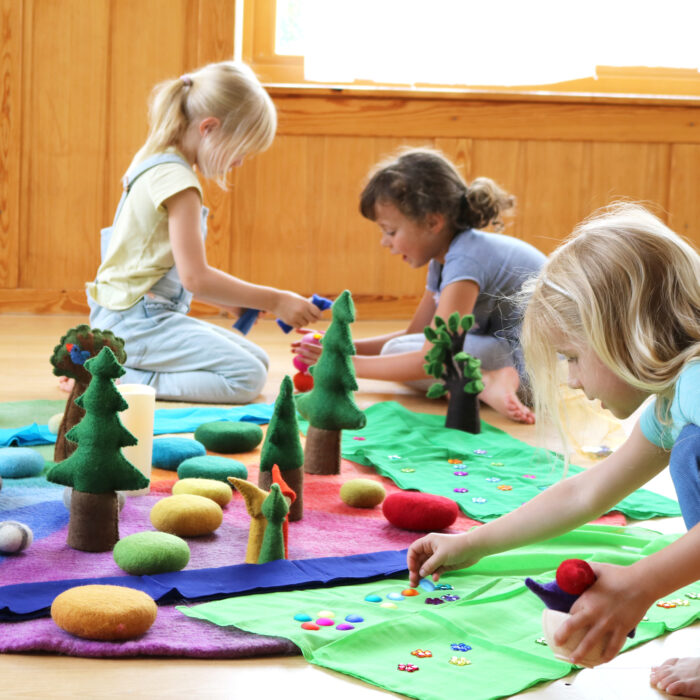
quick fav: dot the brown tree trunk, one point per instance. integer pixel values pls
(322, 451)
(94, 521)
(72, 415)
(462, 409)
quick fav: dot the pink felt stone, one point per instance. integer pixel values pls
(325, 622)
(424, 512)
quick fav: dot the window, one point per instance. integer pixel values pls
(626, 46)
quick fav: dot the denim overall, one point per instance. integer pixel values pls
(183, 358)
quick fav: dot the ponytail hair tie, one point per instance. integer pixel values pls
(186, 80)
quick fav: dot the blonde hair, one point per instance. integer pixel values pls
(228, 91)
(422, 181)
(626, 286)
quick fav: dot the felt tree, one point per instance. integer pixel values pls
(274, 508)
(282, 447)
(459, 373)
(329, 406)
(253, 497)
(78, 345)
(98, 469)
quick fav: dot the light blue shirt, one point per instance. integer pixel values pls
(499, 265)
(685, 409)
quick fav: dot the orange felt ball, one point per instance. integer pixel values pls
(303, 382)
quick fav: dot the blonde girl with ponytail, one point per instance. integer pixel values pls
(153, 256)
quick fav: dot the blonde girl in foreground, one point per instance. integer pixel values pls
(154, 258)
(621, 301)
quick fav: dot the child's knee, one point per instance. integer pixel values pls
(249, 383)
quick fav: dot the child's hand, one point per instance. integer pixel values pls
(436, 553)
(309, 352)
(610, 608)
(294, 310)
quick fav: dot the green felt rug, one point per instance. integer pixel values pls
(497, 472)
(496, 615)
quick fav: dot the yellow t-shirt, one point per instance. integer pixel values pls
(139, 251)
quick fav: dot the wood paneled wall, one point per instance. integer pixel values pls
(75, 81)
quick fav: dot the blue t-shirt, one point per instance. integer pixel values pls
(499, 265)
(685, 409)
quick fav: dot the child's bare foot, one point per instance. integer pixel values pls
(66, 384)
(678, 677)
(500, 392)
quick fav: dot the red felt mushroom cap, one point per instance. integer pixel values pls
(575, 576)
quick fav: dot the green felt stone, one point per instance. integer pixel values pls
(211, 467)
(229, 436)
(146, 553)
(362, 493)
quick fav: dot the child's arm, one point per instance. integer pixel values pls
(216, 286)
(406, 366)
(621, 595)
(568, 504)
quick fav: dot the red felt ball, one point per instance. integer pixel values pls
(303, 382)
(411, 510)
(575, 576)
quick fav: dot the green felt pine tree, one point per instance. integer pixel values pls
(329, 406)
(459, 373)
(274, 508)
(68, 360)
(98, 469)
(282, 447)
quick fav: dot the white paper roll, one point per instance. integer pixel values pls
(138, 420)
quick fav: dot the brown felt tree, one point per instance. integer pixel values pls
(68, 360)
(98, 469)
(329, 406)
(282, 447)
(459, 373)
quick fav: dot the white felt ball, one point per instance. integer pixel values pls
(14, 536)
(55, 423)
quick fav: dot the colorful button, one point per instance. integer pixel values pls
(394, 596)
(480, 452)
(393, 456)
(460, 646)
(529, 476)
(325, 622)
(391, 606)
(693, 596)
(504, 487)
(422, 653)
(355, 437)
(497, 464)
(302, 617)
(444, 587)
(408, 592)
(325, 613)
(460, 661)
(461, 473)
(434, 601)
(426, 584)
(478, 499)
(373, 598)
(407, 667)
(450, 598)
(408, 470)
(309, 626)
(461, 489)
(542, 641)
(354, 618)
(344, 626)
(493, 479)
(454, 461)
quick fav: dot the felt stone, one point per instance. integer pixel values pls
(105, 613)
(14, 537)
(19, 462)
(146, 553)
(55, 423)
(212, 467)
(186, 515)
(362, 493)
(424, 512)
(170, 452)
(229, 437)
(209, 488)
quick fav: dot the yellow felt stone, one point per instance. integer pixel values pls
(218, 491)
(107, 613)
(186, 515)
(362, 493)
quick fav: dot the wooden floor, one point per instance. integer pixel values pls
(26, 344)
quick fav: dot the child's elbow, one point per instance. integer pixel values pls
(192, 281)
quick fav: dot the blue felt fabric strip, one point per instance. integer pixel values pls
(24, 601)
(167, 420)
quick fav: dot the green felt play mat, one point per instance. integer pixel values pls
(494, 614)
(489, 474)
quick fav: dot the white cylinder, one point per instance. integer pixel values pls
(138, 420)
